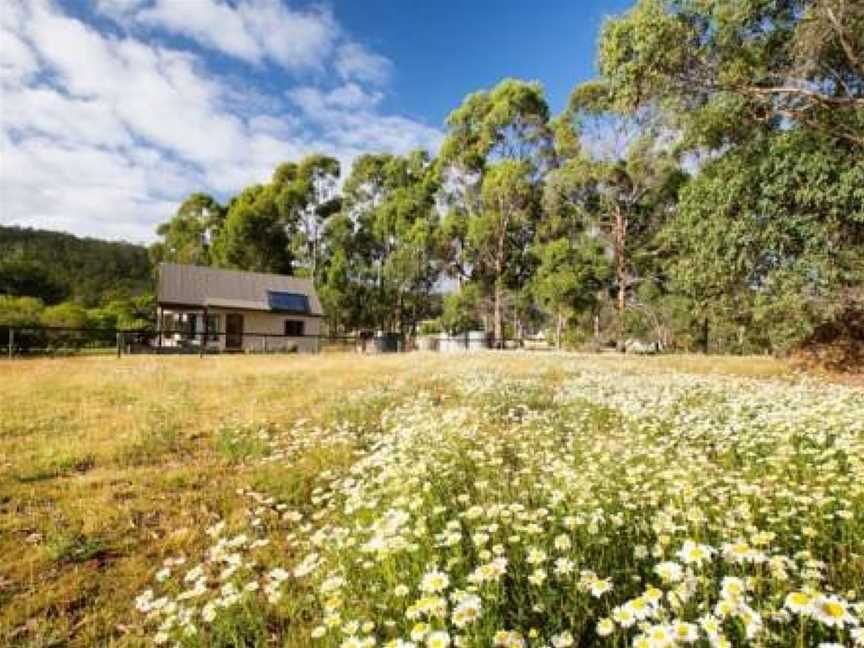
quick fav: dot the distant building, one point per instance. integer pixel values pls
(229, 310)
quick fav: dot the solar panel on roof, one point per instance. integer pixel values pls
(288, 301)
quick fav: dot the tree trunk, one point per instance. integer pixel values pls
(620, 239)
(315, 256)
(705, 334)
(559, 329)
(498, 324)
(398, 323)
(520, 330)
(496, 313)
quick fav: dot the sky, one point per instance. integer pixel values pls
(113, 111)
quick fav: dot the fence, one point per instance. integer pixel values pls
(60, 340)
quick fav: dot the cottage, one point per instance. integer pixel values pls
(229, 310)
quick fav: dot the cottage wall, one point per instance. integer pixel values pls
(274, 324)
(257, 322)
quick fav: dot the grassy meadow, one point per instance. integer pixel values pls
(493, 499)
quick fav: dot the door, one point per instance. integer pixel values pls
(233, 331)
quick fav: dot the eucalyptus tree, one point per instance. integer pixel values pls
(508, 206)
(254, 236)
(188, 236)
(727, 69)
(570, 275)
(767, 238)
(275, 227)
(314, 194)
(619, 196)
(495, 137)
(346, 277)
(390, 203)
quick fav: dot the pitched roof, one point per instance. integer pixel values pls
(191, 285)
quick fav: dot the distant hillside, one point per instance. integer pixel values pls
(56, 267)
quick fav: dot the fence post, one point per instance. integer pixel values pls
(203, 334)
(119, 347)
(11, 341)
(160, 317)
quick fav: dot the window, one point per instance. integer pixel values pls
(213, 328)
(287, 301)
(293, 328)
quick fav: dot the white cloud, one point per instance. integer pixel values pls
(259, 30)
(17, 61)
(87, 190)
(323, 105)
(119, 7)
(353, 61)
(104, 135)
(212, 24)
(251, 30)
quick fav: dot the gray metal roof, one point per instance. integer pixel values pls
(204, 286)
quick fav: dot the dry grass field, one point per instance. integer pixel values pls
(110, 465)
(345, 500)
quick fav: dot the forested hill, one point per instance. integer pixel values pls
(56, 267)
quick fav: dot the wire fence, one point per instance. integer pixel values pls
(27, 340)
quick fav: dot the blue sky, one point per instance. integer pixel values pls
(445, 50)
(114, 110)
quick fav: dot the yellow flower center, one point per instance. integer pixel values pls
(834, 610)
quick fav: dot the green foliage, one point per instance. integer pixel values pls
(381, 271)
(622, 203)
(314, 199)
(20, 276)
(20, 311)
(254, 236)
(74, 546)
(187, 237)
(778, 227)
(65, 315)
(126, 314)
(499, 234)
(53, 267)
(542, 219)
(84, 282)
(334, 291)
(729, 69)
(511, 121)
(267, 228)
(245, 626)
(570, 274)
(499, 143)
(430, 327)
(462, 310)
(239, 441)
